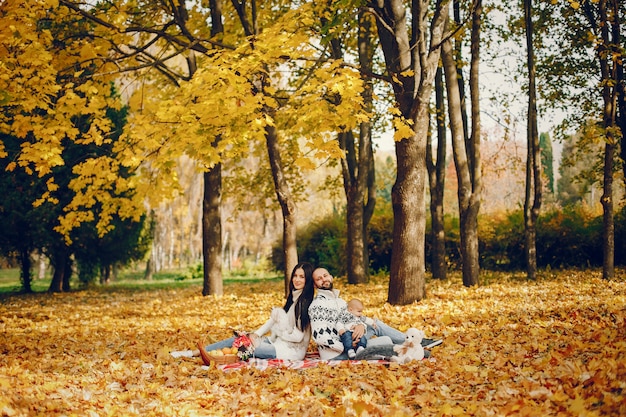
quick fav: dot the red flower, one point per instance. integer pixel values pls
(244, 345)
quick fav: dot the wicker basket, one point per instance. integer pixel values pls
(223, 360)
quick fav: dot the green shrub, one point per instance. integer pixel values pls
(380, 239)
(566, 238)
(321, 243)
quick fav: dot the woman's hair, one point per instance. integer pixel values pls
(302, 305)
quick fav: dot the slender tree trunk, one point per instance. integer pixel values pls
(212, 232)
(286, 201)
(532, 201)
(471, 268)
(608, 217)
(149, 272)
(468, 231)
(458, 52)
(354, 186)
(357, 167)
(610, 71)
(25, 270)
(436, 176)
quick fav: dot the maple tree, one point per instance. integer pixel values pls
(240, 75)
(58, 125)
(46, 89)
(551, 347)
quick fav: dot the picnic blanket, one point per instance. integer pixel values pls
(311, 360)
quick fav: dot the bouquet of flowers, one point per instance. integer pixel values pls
(245, 345)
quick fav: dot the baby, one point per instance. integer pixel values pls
(350, 318)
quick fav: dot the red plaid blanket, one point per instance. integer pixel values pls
(311, 360)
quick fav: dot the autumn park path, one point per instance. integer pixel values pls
(552, 347)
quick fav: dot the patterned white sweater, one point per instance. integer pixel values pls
(293, 343)
(326, 310)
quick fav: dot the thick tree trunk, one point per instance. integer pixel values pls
(436, 177)
(212, 232)
(56, 285)
(407, 280)
(212, 200)
(287, 204)
(411, 61)
(62, 264)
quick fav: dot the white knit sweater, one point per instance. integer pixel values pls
(326, 310)
(290, 345)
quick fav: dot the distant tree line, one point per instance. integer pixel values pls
(566, 238)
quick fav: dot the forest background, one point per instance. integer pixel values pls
(117, 148)
(223, 138)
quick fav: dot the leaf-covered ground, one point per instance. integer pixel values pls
(554, 347)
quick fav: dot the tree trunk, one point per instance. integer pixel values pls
(60, 261)
(411, 49)
(357, 168)
(407, 280)
(436, 177)
(532, 201)
(354, 186)
(56, 285)
(67, 274)
(25, 273)
(471, 269)
(287, 204)
(458, 53)
(149, 272)
(608, 217)
(467, 208)
(212, 201)
(611, 71)
(212, 232)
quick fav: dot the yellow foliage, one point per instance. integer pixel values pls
(555, 347)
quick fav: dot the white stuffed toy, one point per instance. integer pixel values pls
(411, 349)
(281, 324)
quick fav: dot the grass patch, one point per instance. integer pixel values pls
(132, 279)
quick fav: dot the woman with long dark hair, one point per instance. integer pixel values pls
(290, 325)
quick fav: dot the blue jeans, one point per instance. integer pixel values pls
(265, 350)
(397, 337)
(346, 339)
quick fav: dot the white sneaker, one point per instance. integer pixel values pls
(182, 354)
(351, 354)
(360, 349)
